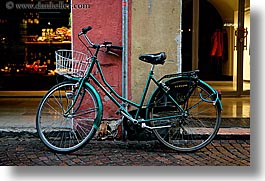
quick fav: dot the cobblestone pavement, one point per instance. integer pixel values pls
(27, 150)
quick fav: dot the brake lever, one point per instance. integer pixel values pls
(112, 53)
(109, 51)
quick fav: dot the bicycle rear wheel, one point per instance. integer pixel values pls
(66, 132)
(195, 125)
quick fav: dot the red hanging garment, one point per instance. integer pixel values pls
(217, 44)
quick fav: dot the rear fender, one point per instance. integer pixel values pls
(217, 101)
(217, 95)
(157, 91)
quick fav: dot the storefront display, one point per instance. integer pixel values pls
(28, 40)
(42, 62)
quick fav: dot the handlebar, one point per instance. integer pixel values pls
(85, 30)
(106, 44)
(116, 47)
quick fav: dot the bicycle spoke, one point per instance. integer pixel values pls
(66, 133)
(85, 112)
(195, 126)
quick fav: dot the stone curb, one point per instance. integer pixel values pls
(224, 133)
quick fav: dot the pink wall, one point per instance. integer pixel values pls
(105, 16)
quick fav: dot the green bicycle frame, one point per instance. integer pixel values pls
(89, 76)
(112, 91)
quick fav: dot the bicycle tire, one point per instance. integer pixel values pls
(65, 133)
(198, 126)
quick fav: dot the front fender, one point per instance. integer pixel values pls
(96, 95)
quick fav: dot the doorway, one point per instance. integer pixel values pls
(210, 22)
(214, 23)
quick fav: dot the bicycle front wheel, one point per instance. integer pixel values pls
(190, 127)
(65, 126)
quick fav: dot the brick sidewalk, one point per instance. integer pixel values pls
(27, 150)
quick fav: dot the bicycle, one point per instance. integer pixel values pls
(183, 112)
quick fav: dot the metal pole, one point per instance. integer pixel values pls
(240, 46)
(124, 58)
(125, 48)
(195, 34)
(179, 40)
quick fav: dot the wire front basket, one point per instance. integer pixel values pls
(70, 63)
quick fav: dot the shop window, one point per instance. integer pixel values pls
(29, 36)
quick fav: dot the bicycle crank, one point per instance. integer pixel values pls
(155, 127)
(134, 121)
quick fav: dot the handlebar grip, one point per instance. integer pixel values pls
(85, 30)
(116, 47)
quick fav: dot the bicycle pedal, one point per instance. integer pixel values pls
(143, 125)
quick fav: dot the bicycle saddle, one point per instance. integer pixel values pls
(155, 59)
